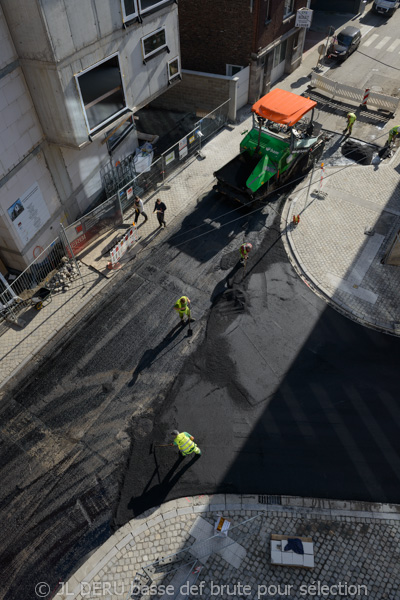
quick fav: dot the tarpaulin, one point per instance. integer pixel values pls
(283, 107)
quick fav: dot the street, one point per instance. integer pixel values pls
(283, 394)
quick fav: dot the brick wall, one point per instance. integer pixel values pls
(276, 27)
(194, 92)
(214, 33)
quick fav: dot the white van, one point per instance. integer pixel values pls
(386, 7)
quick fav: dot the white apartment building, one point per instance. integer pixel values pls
(72, 75)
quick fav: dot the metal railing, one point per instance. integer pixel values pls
(18, 292)
(123, 181)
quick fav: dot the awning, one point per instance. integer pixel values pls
(283, 107)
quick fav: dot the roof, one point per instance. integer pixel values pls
(350, 30)
(283, 107)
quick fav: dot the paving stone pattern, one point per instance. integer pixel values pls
(330, 239)
(354, 551)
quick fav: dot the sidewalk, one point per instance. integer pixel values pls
(329, 248)
(355, 551)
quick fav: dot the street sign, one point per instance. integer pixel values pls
(304, 17)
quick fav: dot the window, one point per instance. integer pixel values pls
(153, 43)
(174, 69)
(288, 8)
(129, 9)
(267, 12)
(118, 134)
(146, 5)
(295, 41)
(279, 54)
(231, 70)
(101, 92)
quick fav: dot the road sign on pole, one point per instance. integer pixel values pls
(304, 17)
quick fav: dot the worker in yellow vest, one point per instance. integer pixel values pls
(351, 119)
(185, 443)
(244, 249)
(393, 134)
(182, 306)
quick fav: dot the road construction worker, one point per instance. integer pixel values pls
(182, 306)
(244, 250)
(185, 443)
(393, 134)
(351, 118)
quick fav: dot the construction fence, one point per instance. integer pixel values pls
(123, 182)
(367, 98)
(37, 280)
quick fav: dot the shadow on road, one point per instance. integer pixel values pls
(212, 225)
(159, 492)
(152, 354)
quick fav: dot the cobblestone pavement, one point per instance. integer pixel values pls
(329, 248)
(356, 551)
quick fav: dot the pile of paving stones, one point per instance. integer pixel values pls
(63, 279)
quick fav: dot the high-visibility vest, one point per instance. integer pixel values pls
(394, 130)
(351, 117)
(184, 443)
(180, 306)
(243, 250)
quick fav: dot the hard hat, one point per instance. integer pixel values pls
(249, 246)
(175, 432)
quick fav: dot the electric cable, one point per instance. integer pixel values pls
(259, 208)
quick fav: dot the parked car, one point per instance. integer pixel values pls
(386, 7)
(345, 43)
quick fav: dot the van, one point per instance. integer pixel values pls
(386, 7)
(346, 42)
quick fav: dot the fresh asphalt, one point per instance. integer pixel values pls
(284, 396)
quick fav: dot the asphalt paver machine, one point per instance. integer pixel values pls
(283, 144)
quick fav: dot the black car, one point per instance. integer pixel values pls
(345, 43)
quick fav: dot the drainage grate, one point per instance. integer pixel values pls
(270, 500)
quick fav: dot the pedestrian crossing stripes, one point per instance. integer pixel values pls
(381, 42)
(393, 46)
(371, 39)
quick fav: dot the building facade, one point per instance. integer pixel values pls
(72, 75)
(227, 36)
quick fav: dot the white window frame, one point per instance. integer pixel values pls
(156, 5)
(179, 68)
(147, 56)
(114, 116)
(131, 16)
(287, 14)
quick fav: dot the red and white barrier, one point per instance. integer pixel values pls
(366, 96)
(122, 247)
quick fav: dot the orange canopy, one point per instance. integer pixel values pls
(283, 107)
